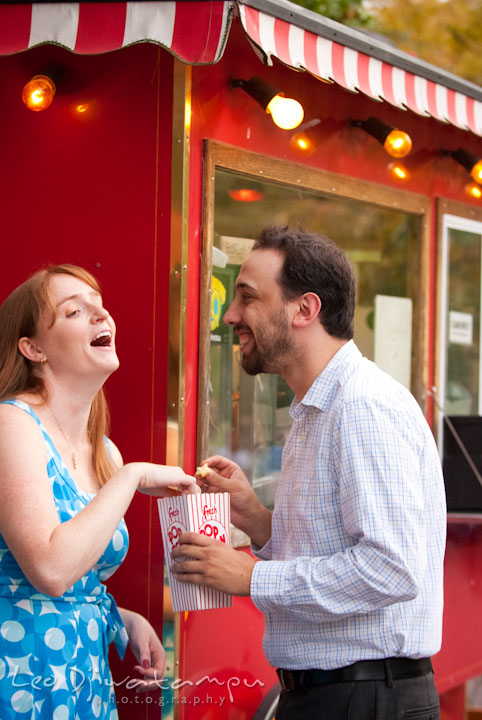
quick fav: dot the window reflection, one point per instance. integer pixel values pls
(463, 320)
(249, 415)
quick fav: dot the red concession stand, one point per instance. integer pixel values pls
(155, 167)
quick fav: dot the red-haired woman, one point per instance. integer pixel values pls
(63, 494)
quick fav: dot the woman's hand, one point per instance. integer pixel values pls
(161, 480)
(147, 648)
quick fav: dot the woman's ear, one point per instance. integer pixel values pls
(309, 306)
(31, 350)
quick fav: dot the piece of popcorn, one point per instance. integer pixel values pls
(203, 470)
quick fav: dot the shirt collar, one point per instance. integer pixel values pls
(323, 388)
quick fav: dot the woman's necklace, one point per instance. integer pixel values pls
(74, 452)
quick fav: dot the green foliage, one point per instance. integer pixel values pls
(349, 12)
(442, 32)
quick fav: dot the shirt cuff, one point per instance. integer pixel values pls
(262, 553)
(267, 584)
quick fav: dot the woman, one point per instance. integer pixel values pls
(63, 493)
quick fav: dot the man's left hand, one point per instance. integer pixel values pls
(203, 561)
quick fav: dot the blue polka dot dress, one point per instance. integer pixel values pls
(53, 651)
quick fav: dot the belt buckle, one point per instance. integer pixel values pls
(286, 680)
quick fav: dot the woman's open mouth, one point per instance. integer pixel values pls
(102, 339)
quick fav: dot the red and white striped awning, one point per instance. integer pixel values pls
(359, 72)
(196, 32)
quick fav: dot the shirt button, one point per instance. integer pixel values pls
(302, 438)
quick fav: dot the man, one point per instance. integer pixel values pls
(349, 566)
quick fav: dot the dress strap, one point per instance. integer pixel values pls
(52, 451)
(23, 406)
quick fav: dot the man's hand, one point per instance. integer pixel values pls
(247, 512)
(212, 563)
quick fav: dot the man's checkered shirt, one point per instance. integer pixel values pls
(354, 567)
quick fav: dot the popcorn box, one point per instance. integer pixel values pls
(205, 513)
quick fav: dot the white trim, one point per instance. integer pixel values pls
(478, 116)
(56, 23)
(420, 86)
(324, 58)
(350, 66)
(150, 20)
(375, 68)
(223, 35)
(267, 34)
(480, 340)
(461, 111)
(441, 102)
(453, 222)
(440, 391)
(296, 38)
(398, 87)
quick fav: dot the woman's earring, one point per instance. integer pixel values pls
(43, 360)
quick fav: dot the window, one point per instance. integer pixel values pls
(460, 390)
(459, 396)
(247, 417)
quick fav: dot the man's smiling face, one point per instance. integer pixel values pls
(259, 314)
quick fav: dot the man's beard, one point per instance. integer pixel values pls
(273, 346)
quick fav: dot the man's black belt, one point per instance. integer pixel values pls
(387, 669)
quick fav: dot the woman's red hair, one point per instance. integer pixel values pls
(20, 314)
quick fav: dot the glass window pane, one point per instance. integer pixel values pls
(463, 323)
(249, 415)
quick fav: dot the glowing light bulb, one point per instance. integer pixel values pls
(399, 171)
(246, 195)
(474, 190)
(398, 143)
(286, 112)
(82, 108)
(302, 143)
(476, 172)
(39, 93)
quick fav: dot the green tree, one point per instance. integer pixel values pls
(349, 12)
(442, 32)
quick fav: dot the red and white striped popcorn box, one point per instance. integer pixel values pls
(208, 514)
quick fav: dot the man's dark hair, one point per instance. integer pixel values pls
(314, 263)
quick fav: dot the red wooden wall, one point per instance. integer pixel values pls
(81, 188)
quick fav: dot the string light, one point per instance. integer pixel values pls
(474, 190)
(305, 141)
(399, 171)
(470, 162)
(397, 143)
(286, 113)
(39, 92)
(246, 195)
